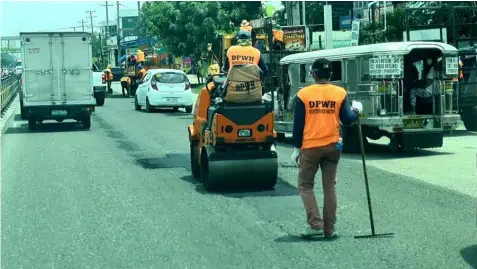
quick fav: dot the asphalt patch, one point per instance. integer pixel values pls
(469, 254)
(115, 134)
(127, 145)
(175, 160)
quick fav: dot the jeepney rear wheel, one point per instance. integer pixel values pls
(351, 139)
(469, 117)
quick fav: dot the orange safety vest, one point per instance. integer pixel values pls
(278, 35)
(126, 79)
(140, 56)
(142, 72)
(246, 28)
(322, 119)
(110, 74)
(242, 55)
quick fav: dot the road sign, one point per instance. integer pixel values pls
(129, 22)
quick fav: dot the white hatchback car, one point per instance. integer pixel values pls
(167, 88)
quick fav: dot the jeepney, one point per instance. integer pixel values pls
(379, 76)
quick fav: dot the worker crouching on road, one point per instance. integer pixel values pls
(125, 84)
(316, 134)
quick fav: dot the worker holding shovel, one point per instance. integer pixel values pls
(316, 133)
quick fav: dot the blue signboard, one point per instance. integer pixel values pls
(345, 22)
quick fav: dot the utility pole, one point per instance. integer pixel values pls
(118, 35)
(91, 19)
(138, 8)
(82, 23)
(106, 34)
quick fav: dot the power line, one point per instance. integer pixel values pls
(91, 19)
(82, 23)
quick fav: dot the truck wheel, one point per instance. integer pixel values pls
(86, 121)
(23, 115)
(136, 104)
(148, 106)
(188, 109)
(469, 117)
(100, 101)
(32, 123)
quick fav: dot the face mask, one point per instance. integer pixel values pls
(429, 61)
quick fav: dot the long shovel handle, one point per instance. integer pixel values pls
(365, 171)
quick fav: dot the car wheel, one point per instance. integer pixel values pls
(188, 109)
(175, 109)
(148, 106)
(136, 104)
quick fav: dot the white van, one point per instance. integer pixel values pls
(57, 79)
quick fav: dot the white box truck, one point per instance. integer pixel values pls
(57, 76)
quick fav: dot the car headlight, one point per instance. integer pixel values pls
(244, 133)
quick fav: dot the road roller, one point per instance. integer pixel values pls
(232, 143)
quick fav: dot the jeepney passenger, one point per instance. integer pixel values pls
(424, 91)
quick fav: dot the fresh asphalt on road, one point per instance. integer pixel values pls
(121, 196)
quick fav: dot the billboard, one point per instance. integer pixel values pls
(345, 22)
(294, 38)
(129, 22)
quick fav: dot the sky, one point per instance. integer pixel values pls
(32, 16)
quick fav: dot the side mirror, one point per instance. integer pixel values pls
(139, 81)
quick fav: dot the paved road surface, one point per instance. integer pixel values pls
(121, 196)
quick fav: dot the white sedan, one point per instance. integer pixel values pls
(167, 88)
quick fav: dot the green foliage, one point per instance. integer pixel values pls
(370, 34)
(7, 60)
(185, 28)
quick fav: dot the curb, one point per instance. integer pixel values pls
(9, 114)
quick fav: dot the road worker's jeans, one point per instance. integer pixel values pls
(311, 160)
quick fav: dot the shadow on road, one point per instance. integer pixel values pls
(244, 190)
(378, 152)
(460, 133)
(171, 160)
(469, 254)
(119, 96)
(298, 239)
(45, 127)
(383, 152)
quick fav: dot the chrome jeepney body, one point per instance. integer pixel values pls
(375, 75)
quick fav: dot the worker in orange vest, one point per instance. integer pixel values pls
(109, 78)
(245, 26)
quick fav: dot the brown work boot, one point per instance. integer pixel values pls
(331, 236)
(312, 232)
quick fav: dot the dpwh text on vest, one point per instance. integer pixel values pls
(322, 107)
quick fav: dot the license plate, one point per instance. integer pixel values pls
(414, 123)
(61, 112)
(171, 100)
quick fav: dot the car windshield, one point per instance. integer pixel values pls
(170, 78)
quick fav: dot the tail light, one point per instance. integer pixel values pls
(103, 78)
(187, 86)
(154, 85)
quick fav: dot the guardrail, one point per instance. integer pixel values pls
(9, 87)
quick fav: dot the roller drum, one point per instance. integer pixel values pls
(259, 168)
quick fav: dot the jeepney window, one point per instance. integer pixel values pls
(365, 69)
(352, 74)
(336, 69)
(302, 73)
